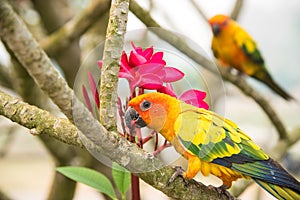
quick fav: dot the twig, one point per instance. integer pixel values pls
(73, 29)
(199, 10)
(236, 9)
(182, 46)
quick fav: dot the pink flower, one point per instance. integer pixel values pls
(94, 90)
(146, 69)
(193, 97)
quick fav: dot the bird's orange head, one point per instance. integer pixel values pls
(219, 23)
(154, 110)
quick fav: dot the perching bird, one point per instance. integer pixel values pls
(210, 143)
(234, 47)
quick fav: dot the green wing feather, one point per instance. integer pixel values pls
(256, 66)
(218, 140)
(248, 46)
(209, 136)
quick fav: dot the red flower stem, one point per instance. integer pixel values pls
(156, 141)
(148, 137)
(139, 137)
(141, 91)
(135, 188)
(121, 114)
(162, 147)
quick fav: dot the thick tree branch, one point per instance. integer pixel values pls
(111, 62)
(181, 45)
(73, 29)
(19, 40)
(95, 137)
(38, 121)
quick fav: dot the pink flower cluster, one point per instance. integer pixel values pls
(146, 69)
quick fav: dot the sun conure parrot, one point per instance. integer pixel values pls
(234, 47)
(210, 143)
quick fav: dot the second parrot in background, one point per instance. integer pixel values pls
(234, 47)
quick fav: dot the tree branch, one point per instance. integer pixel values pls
(95, 137)
(111, 62)
(5, 77)
(73, 29)
(38, 121)
(236, 9)
(182, 46)
(19, 40)
(4, 196)
(199, 10)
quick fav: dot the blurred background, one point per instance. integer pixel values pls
(27, 167)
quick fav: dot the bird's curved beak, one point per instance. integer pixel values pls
(216, 29)
(132, 117)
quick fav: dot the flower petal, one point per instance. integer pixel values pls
(126, 75)
(86, 98)
(157, 58)
(100, 63)
(167, 90)
(133, 46)
(150, 82)
(136, 59)
(195, 98)
(93, 88)
(147, 53)
(172, 74)
(124, 63)
(149, 68)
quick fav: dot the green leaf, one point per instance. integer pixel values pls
(122, 178)
(89, 177)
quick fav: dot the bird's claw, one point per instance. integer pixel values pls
(222, 190)
(178, 172)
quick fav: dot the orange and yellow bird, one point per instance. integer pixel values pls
(234, 47)
(211, 144)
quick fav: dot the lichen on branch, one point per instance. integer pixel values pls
(111, 62)
(38, 121)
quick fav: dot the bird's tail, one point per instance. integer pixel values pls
(282, 193)
(267, 79)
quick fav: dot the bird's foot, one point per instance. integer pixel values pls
(179, 172)
(222, 190)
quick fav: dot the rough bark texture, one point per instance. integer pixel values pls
(20, 41)
(38, 121)
(111, 62)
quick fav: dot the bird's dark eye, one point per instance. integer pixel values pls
(145, 105)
